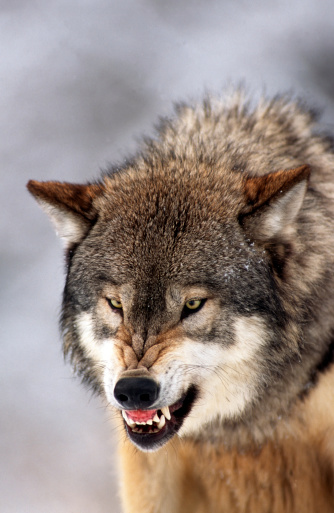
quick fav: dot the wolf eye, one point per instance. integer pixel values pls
(192, 306)
(115, 304)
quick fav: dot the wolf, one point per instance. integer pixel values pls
(199, 303)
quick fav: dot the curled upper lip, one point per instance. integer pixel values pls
(152, 428)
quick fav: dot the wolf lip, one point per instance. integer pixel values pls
(139, 416)
(150, 429)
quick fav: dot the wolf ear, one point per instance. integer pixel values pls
(273, 202)
(70, 207)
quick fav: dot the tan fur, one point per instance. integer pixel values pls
(293, 472)
(230, 208)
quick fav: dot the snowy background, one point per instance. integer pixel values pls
(80, 80)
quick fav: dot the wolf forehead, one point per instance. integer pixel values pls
(158, 223)
(174, 225)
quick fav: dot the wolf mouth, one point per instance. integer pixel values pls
(150, 429)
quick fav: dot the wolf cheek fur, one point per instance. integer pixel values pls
(199, 303)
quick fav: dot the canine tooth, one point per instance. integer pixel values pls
(127, 420)
(156, 418)
(166, 412)
(162, 422)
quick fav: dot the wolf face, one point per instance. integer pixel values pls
(194, 271)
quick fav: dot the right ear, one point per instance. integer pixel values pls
(69, 206)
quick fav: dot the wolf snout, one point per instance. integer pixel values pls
(136, 393)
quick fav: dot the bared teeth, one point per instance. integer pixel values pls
(129, 422)
(162, 422)
(157, 422)
(166, 412)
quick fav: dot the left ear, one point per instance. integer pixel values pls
(273, 202)
(69, 206)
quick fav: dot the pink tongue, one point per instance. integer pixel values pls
(141, 415)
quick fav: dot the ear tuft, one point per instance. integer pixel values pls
(69, 206)
(273, 202)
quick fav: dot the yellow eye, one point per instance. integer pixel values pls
(114, 303)
(194, 304)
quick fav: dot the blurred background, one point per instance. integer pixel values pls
(80, 81)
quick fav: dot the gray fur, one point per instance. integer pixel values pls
(176, 214)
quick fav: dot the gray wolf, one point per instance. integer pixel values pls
(199, 302)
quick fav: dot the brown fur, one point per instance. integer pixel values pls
(259, 189)
(232, 207)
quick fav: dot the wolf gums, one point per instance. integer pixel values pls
(199, 302)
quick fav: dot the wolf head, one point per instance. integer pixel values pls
(180, 305)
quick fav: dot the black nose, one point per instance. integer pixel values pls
(136, 393)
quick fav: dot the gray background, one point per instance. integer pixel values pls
(79, 81)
